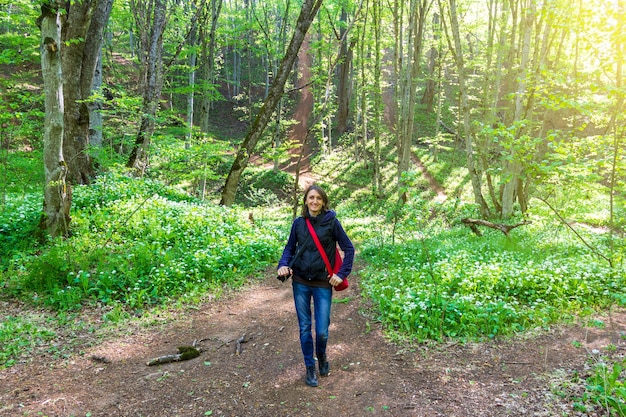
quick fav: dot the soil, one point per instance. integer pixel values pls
(369, 375)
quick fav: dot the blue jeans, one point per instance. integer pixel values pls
(322, 298)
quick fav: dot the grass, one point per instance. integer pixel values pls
(20, 336)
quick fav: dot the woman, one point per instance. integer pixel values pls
(310, 279)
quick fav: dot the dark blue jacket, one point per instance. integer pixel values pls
(301, 254)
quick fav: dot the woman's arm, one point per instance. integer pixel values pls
(290, 248)
(347, 247)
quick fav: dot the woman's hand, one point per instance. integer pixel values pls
(284, 271)
(335, 280)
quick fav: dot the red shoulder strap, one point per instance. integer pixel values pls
(319, 247)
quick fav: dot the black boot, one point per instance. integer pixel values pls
(311, 377)
(324, 365)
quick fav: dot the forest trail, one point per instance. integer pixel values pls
(369, 374)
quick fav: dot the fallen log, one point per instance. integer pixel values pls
(504, 228)
(242, 339)
(184, 353)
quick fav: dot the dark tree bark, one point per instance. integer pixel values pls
(309, 10)
(85, 20)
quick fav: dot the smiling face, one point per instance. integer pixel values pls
(314, 202)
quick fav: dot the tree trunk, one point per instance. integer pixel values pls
(85, 20)
(377, 182)
(192, 80)
(153, 82)
(455, 47)
(343, 81)
(208, 92)
(417, 15)
(309, 10)
(57, 192)
(513, 169)
(95, 108)
(428, 98)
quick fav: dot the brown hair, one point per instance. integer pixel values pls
(321, 192)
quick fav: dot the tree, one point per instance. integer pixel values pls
(82, 34)
(344, 70)
(454, 41)
(57, 192)
(408, 84)
(377, 184)
(307, 14)
(208, 40)
(70, 47)
(151, 20)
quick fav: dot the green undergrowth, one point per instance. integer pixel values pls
(134, 242)
(19, 336)
(605, 389)
(599, 388)
(445, 282)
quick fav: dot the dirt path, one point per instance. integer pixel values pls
(369, 376)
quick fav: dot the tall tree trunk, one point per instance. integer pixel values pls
(362, 121)
(378, 97)
(192, 80)
(492, 90)
(307, 14)
(57, 192)
(457, 51)
(343, 80)
(208, 93)
(513, 169)
(153, 83)
(428, 98)
(417, 15)
(85, 20)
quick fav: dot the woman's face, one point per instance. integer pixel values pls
(314, 202)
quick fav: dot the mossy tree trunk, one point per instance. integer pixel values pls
(57, 192)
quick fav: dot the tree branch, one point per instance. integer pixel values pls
(504, 228)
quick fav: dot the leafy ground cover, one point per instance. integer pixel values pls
(137, 243)
(455, 284)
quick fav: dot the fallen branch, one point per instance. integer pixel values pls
(504, 228)
(449, 129)
(241, 340)
(184, 353)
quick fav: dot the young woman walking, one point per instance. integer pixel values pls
(311, 280)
